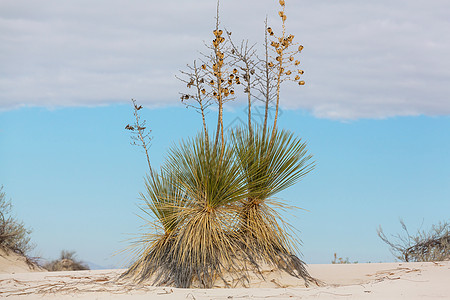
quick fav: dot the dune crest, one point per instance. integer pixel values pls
(12, 262)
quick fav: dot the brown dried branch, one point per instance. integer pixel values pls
(140, 134)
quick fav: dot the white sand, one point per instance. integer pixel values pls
(355, 281)
(11, 262)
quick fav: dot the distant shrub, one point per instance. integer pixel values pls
(432, 245)
(340, 260)
(13, 234)
(66, 262)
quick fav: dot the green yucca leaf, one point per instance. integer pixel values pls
(209, 178)
(271, 163)
(163, 199)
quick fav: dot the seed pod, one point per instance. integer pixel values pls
(231, 76)
(291, 58)
(211, 82)
(280, 13)
(204, 67)
(301, 72)
(232, 92)
(270, 64)
(297, 77)
(297, 62)
(220, 32)
(278, 58)
(288, 73)
(284, 18)
(235, 71)
(282, 2)
(230, 82)
(203, 91)
(301, 82)
(300, 48)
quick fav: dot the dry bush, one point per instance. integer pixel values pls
(432, 245)
(66, 262)
(13, 234)
(341, 261)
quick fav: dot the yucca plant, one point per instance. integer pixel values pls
(213, 184)
(195, 200)
(153, 250)
(270, 164)
(213, 200)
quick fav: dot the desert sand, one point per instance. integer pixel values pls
(430, 280)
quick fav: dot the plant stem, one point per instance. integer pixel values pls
(279, 75)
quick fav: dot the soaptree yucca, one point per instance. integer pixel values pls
(195, 203)
(153, 250)
(213, 200)
(270, 164)
(213, 184)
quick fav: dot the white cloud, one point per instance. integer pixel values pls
(362, 59)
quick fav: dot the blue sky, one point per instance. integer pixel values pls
(74, 177)
(375, 112)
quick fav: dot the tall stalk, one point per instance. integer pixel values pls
(140, 137)
(217, 67)
(280, 69)
(267, 80)
(198, 81)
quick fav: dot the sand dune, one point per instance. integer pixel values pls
(11, 262)
(355, 281)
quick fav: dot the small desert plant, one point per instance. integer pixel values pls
(66, 262)
(340, 260)
(432, 245)
(13, 234)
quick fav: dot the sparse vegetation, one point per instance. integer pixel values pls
(340, 260)
(13, 234)
(66, 262)
(213, 199)
(432, 245)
